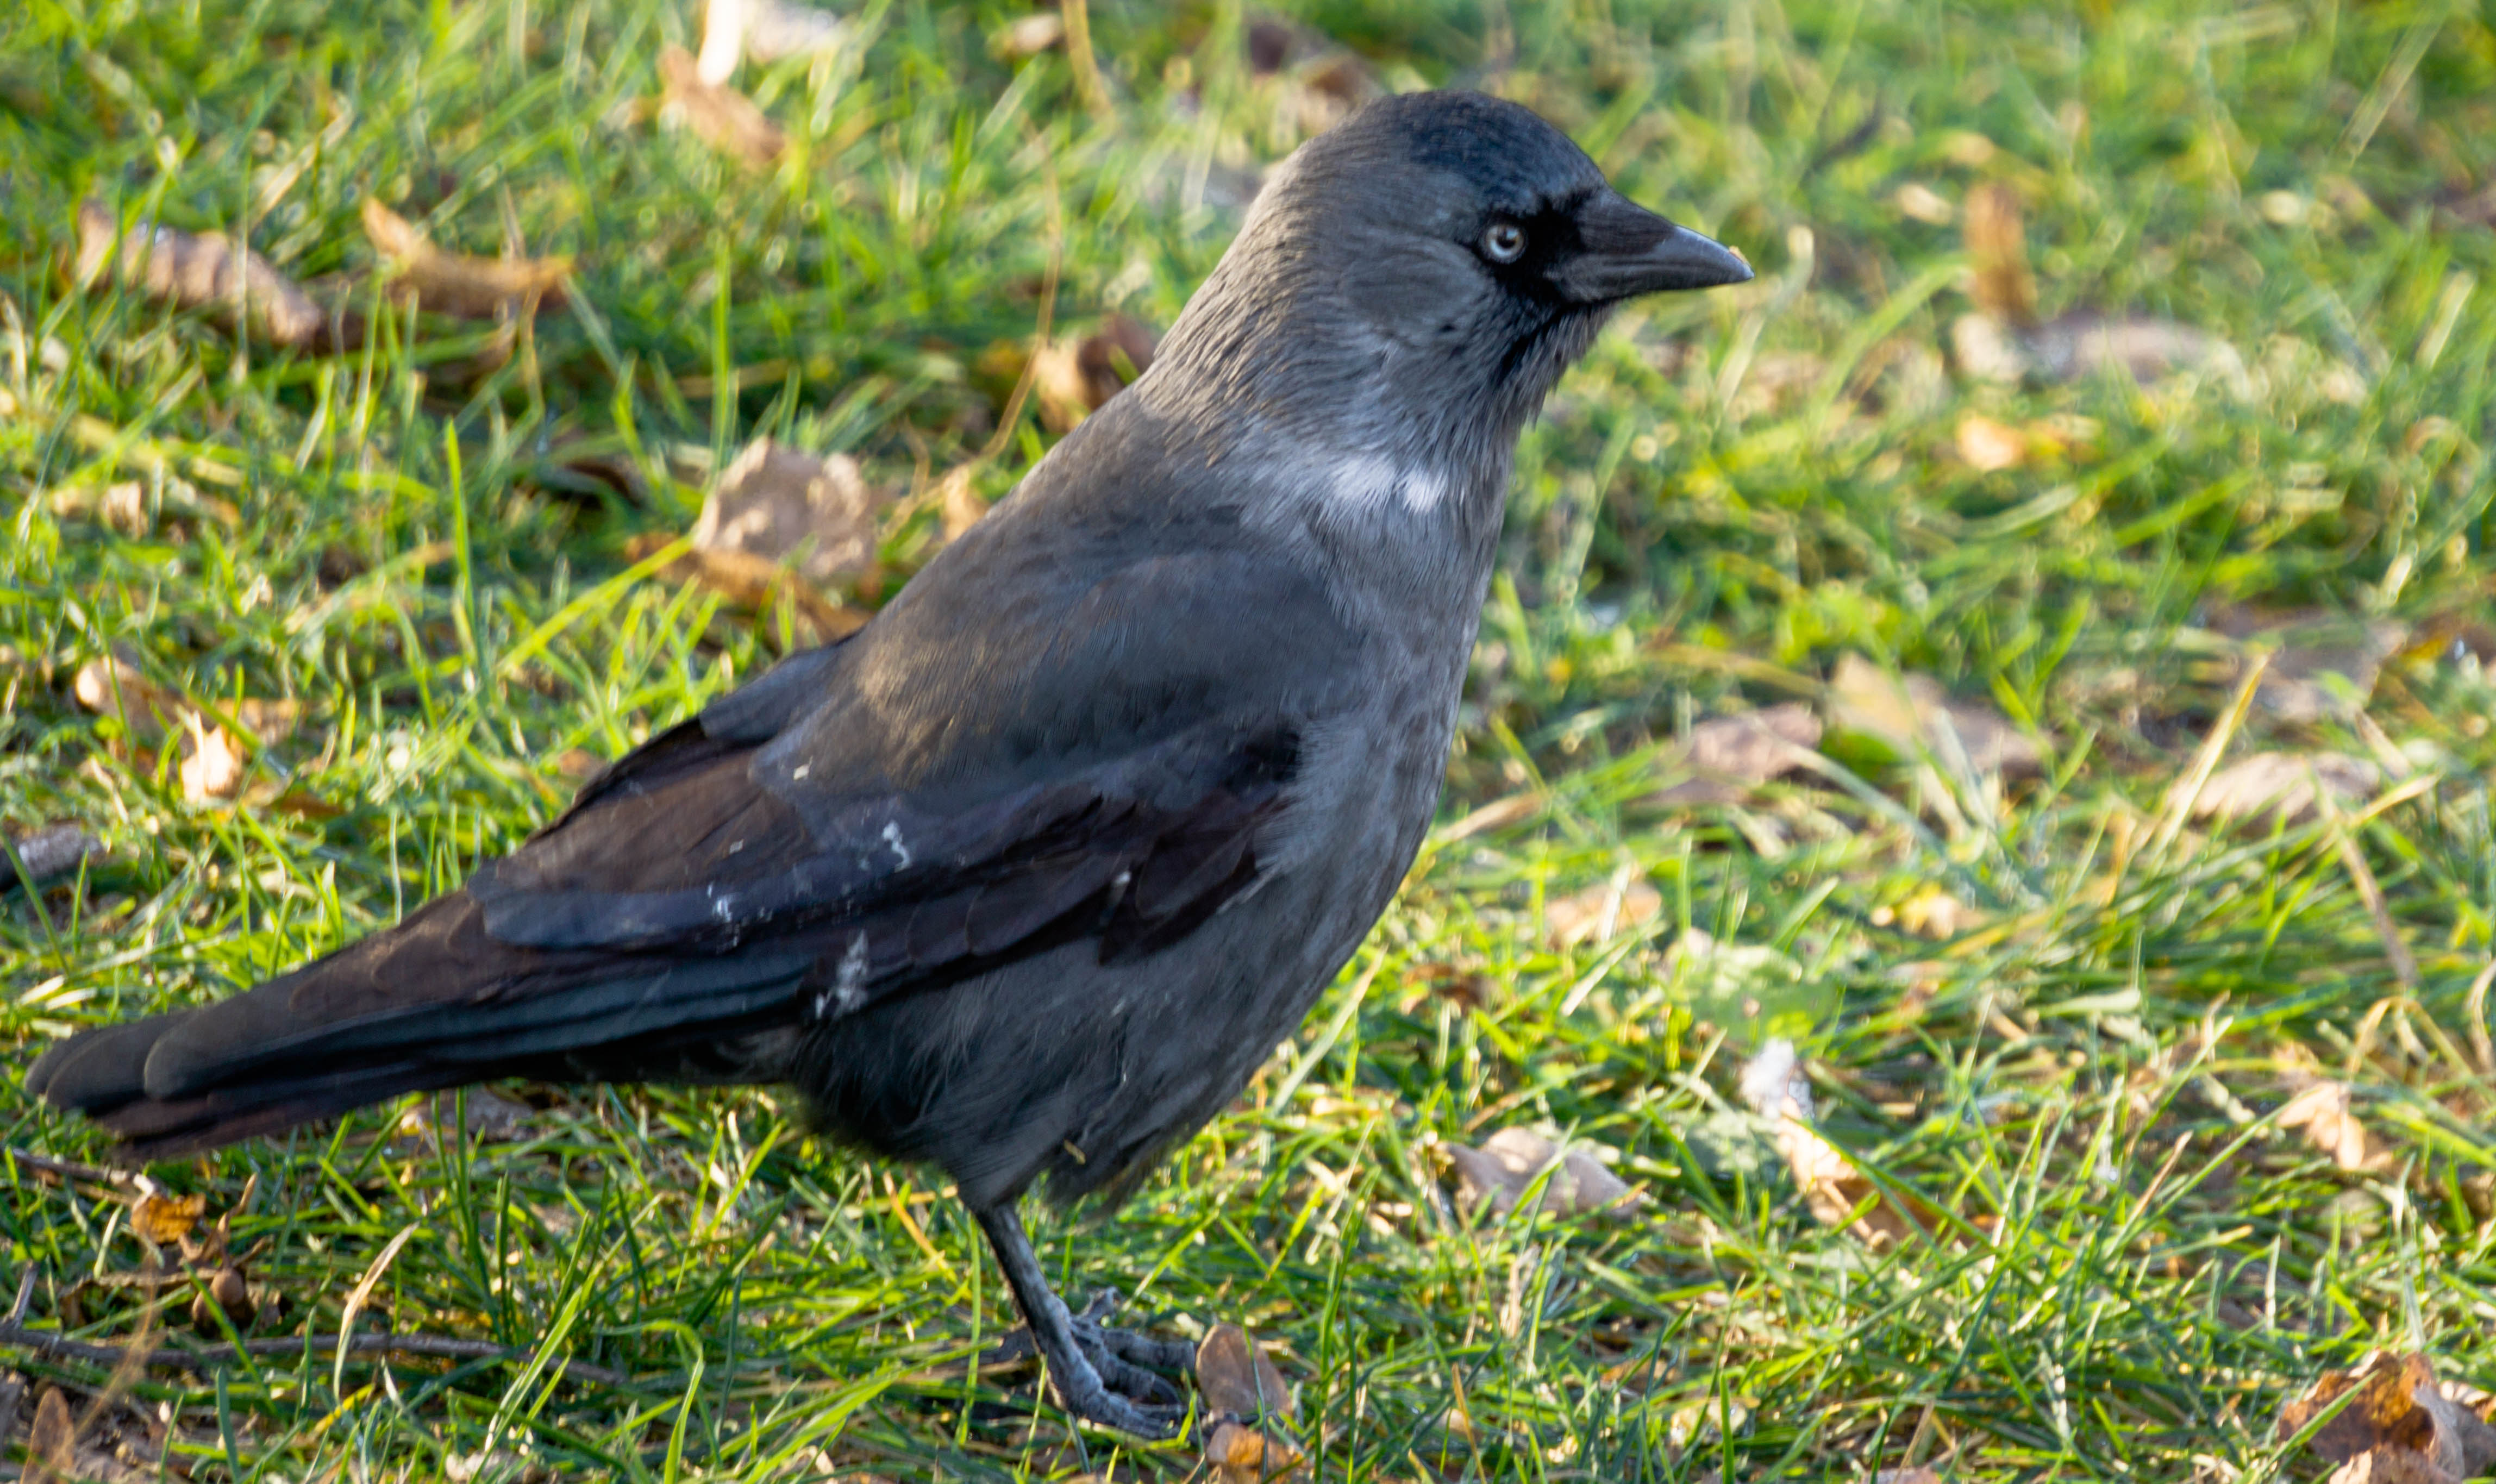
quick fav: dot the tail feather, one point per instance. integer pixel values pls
(431, 1004)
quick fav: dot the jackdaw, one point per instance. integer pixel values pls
(1025, 877)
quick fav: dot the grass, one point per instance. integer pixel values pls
(2139, 1264)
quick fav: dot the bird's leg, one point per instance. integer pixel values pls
(1098, 1372)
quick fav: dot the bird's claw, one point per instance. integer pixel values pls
(1116, 1385)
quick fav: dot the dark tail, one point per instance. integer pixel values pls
(431, 1004)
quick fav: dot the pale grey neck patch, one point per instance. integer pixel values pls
(1366, 481)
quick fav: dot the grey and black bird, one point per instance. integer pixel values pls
(1023, 878)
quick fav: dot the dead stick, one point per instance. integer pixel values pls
(52, 1346)
(65, 1169)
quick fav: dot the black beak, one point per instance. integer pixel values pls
(1624, 250)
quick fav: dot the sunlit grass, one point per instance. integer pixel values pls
(1737, 489)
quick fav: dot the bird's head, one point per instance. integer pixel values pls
(1418, 278)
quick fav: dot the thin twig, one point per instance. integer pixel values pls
(66, 1169)
(52, 1346)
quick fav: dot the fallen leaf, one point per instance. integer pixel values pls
(213, 764)
(766, 30)
(1990, 447)
(2401, 1426)
(1601, 912)
(1239, 1454)
(1468, 989)
(270, 721)
(2282, 787)
(721, 118)
(51, 1441)
(756, 585)
(1725, 756)
(56, 849)
(228, 1291)
(776, 502)
(2322, 665)
(2332, 1126)
(1070, 377)
(120, 508)
(1996, 238)
(2391, 1465)
(165, 1220)
(113, 686)
(197, 272)
(1506, 1166)
(1922, 204)
(1930, 912)
(453, 283)
(1236, 1379)
(1027, 37)
(777, 29)
(580, 765)
(1832, 1188)
(1307, 82)
(1906, 713)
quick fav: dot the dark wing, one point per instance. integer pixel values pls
(951, 788)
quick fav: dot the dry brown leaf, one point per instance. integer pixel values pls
(453, 283)
(778, 29)
(1728, 755)
(113, 686)
(1027, 37)
(1246, 1455)
(766, 30)
(213, 764)
(578, 765)
(51, 1441)
(2391, 1465)
(196, 273)
(2282, 787)
(1599, 913)
(2401, 1426)
(1832, 1188)
(1904, 713)
(270, 721)
(1925, 204)
(1506, 1166)
(1237, 1379)
(721, 118)
(1989, 446)
(120, 508)
(56, 849)
(165, 1220)
(1930, 912)
(2323, 665)
(1071, 376)
(229, 1291)
(755, 585)
(1997, 246)
(1241, 1388)
(776, 502)
(958, 502)
(2332, 1126)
